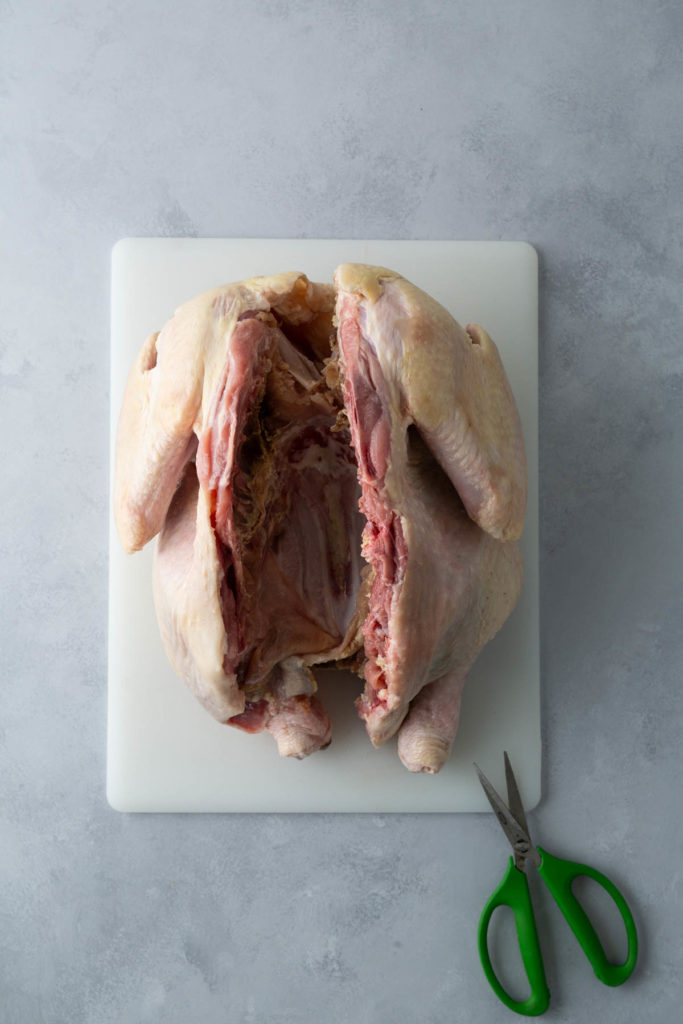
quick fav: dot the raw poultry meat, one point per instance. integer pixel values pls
(229, 448)
(442, 468)
(248, 433)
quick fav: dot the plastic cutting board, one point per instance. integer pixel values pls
(165, 753)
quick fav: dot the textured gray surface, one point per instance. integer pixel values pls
(553, 122)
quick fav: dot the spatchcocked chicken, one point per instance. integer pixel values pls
(336, 474)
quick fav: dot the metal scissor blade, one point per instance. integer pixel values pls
(514, 799)
(518, 837)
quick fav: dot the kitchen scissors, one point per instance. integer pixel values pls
(558, 876)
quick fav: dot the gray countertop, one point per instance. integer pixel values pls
(554, 122)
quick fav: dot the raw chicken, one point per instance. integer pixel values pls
(228, 444)
(236, 442)
(442, 468)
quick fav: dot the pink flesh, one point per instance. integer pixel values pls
(307, 584)
(292, 592)
(254, 717)
(216, 455)
(367, 405)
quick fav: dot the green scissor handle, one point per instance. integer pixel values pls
(513, 892)
(558, 875)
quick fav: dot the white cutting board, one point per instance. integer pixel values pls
(164, 752)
